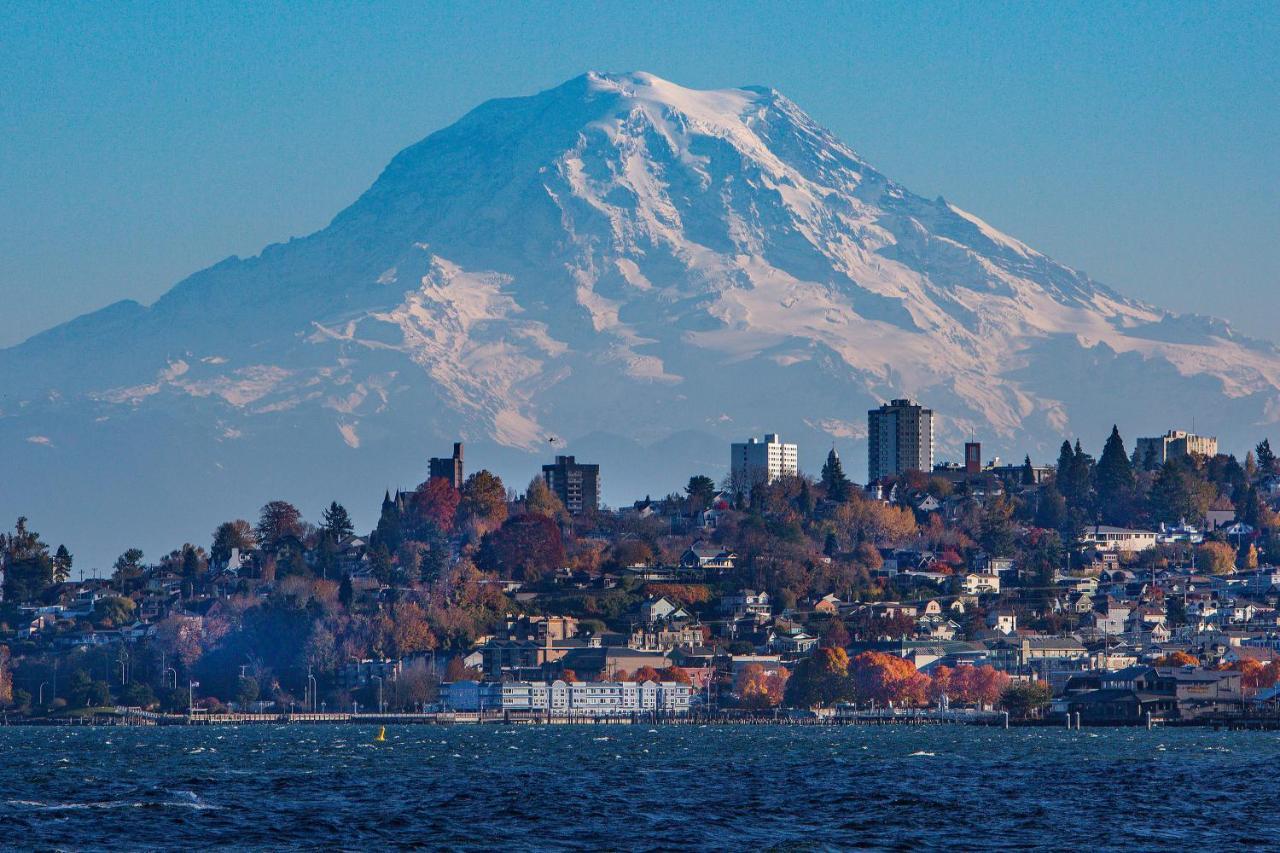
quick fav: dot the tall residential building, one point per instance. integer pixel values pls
(754, 461)
(1154, 452)
(899, 438)
(577, 485)
(448, 468)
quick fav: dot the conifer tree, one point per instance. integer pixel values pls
(337, 522)
(1115, 481)
(1266, 459)
(834, 481)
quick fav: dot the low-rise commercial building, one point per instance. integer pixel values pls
(568, 699)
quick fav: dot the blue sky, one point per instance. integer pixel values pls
(139, 143)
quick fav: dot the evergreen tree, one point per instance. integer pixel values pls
(1075, 472)
(1115, 481)
(701, 490)
(834, 481)
(804, 500)
(435, 554)
(337, 523)
(996, 534)
(62, 564)
(1179, 494)
(380, 563)
(1250, 510)
(346, 594)
(1051, 509)
(190, 563)
(1028, 472)
(1266, 459)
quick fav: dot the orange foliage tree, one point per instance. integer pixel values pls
(759, 689)
(1177, 659)
(883, 678)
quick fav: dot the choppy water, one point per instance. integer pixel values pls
(631, 787)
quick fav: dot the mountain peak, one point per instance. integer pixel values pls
(619, 255)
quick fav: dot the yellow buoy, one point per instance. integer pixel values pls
(382, 735)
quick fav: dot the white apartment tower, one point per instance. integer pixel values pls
(899, 438)
(754, 461)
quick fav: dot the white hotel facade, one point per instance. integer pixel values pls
(568, 699)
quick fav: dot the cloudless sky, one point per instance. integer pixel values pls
(140, 143)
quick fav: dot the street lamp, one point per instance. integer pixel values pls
(311, 683)
(41, 692)
(191, 696)
(164, 676)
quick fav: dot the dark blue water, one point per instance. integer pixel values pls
(631, 787)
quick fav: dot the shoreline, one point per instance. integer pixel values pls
(144, 719)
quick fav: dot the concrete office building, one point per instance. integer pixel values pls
(899, 438)
(1154, 452)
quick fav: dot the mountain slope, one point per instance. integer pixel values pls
(618, 256)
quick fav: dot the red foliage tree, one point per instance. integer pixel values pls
(526, 547)
(436, 501)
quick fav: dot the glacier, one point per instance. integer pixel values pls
(640, 271)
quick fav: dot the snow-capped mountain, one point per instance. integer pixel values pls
(639, 270)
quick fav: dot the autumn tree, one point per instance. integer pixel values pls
(484, 501)
(885, 678)
(278, 520)
(410, 632)
(231, 535)
(976, 685)
(646, 673)
(1177, 659)
(525, 546)
(6, 678)
(820, 679)
(758, 688)
(435, 501)
(836, 635)
(541, 501)
(1216, 558)
(457, 670)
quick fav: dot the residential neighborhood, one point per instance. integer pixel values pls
(1122, 590)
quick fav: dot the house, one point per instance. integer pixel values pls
(661, 609)
(1003, 619)
(1024, 651)
(1107, 538)
(978, 584)
(710, 558)
(793, 642)
(986, 564)
(829, 603)
(748, 602)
